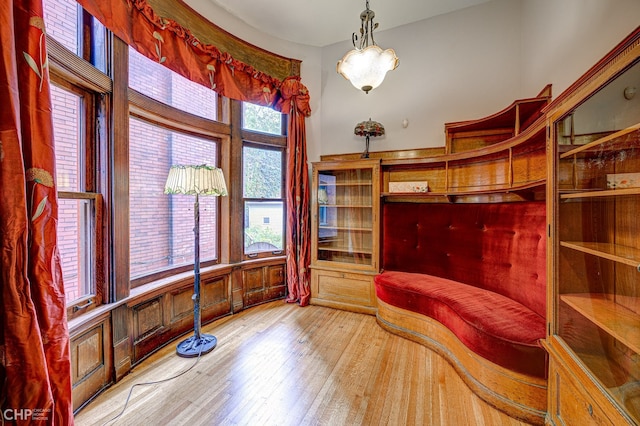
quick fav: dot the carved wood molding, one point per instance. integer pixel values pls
(207, 32)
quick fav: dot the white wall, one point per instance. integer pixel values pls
(459, 66)
(562, 39)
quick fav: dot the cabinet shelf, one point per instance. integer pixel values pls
(598, 143)
(523, 190)
(570, 194)
(346, 183)
(617, 253)
(345, 228)
(618, 321)
(345, 250)
(348, 206)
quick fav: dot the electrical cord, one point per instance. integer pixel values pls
(126, 402)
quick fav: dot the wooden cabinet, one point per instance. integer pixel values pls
(574, 398)
(594, 262)
(91, 354)
(345, 233)
(264, 283)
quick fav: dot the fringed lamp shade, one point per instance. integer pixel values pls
(192, 180)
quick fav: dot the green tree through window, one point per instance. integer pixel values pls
(261, 119)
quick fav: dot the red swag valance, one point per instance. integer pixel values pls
(164, 40)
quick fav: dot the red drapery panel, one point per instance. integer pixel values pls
(295, 101)
(34, 340)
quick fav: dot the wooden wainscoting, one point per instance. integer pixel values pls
(91, 360)
(263, 283)
(110, 340)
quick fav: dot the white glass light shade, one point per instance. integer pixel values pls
(366, 68)
(192, 180)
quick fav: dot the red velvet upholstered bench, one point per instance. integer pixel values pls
(468, 280)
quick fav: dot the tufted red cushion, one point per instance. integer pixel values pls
(496, 246)
(495, 327)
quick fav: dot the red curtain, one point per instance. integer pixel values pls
(295, 102)
(34, 340)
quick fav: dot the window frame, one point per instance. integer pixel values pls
(114, 102)
(157, 113)
(74, 74)
(269, 141)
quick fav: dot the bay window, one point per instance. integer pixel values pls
(121, 120)
(161, 238)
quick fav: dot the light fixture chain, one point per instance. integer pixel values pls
(365, 36)
(373, 27)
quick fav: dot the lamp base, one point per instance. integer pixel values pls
(193, 346)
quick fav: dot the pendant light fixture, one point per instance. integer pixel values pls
(366, 65)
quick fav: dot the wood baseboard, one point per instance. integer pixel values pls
(520, 396)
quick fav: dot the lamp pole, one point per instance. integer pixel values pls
(196, 268)
(198, 343)
(196, 180)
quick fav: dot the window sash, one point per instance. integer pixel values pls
(90, 238)
(269, 143)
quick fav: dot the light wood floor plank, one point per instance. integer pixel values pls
(279, 364)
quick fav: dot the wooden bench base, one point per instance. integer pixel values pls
(520, 396)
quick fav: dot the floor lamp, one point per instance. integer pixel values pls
(196, 180)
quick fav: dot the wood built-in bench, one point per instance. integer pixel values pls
(464, 264)
(468, 281)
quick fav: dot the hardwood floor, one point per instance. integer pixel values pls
(279, 364)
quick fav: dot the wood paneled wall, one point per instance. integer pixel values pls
(106, 346)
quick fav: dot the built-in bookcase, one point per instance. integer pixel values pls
(594, 263)
(345, 229)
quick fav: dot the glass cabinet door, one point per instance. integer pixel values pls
(346, 197)
(598, 225)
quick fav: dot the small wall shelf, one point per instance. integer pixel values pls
(513, 169)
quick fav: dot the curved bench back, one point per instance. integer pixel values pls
(500, 247)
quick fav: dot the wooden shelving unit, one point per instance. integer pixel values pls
(500, 158)
(497, 158)
(344, 222)
(594, 257)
